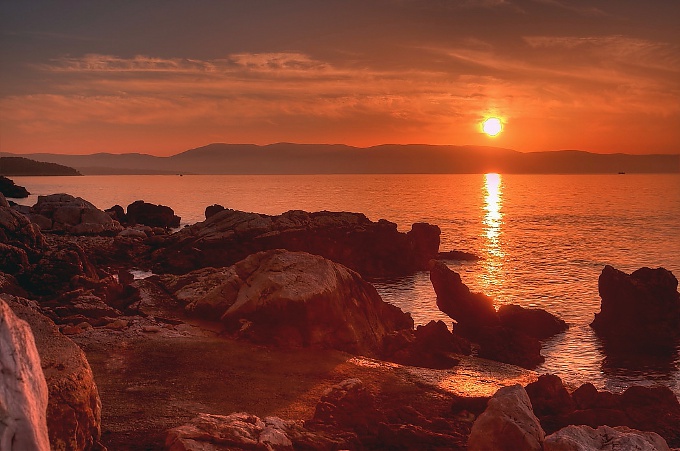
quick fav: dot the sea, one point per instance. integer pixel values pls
(543, 239)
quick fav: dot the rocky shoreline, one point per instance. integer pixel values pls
(271, 315)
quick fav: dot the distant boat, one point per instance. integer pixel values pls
(621, 172)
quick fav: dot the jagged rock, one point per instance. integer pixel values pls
(23, 390)
(577, 438)
(293, 299)
(508, 423)
(351, 239)
(428, 346)
(16, 229)
(472, 311)
(140, 212)
(74, 407)
(639, 310)
(211, 210)
(10, 189)
(534, 322)
(74, 215)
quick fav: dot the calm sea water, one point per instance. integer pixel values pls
(544, 238)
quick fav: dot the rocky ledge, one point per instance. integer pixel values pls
(370, 248)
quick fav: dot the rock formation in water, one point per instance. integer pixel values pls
(640, 310)
(23, 390)
(74, 407)
(351, 239)
(9, 189)
(140, 212)
(510, 335)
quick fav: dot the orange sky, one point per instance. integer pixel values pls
(95, 76)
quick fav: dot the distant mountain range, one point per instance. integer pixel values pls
(288, 158)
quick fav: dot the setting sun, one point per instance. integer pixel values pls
(492, 126)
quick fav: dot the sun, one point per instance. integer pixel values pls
(492, 126)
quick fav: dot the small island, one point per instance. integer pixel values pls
(20, 166)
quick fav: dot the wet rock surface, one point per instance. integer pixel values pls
(510, 335)
(351, 239)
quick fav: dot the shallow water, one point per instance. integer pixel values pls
(544, 239)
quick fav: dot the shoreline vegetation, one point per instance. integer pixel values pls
(292, 158)
(262, 332)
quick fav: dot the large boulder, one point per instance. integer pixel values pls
(74, 407)
(605, 438)
(639, 310)
(351, 239)
(23, 390)
(292, 299)
(140, 212)
(20, 240)
(508, 423)
(73, 215)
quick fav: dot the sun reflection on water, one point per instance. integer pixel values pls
(492, 223)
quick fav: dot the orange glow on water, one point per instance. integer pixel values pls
(492, 223)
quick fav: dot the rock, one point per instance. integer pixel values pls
(534, 322)
(74, 215)
(23, 390)
(211, 210)
(296, 299)
(140, 212)
(458, 256)
(639, 310)
(9, 189)
(428, 346)
(9, 285)
(577, 438)
(3, 202)
(351, 239)
(508, 346)
(16, 229)
(242, 430)
(471, 310)
(74, 407)
(117, 213)
(349, 405)
(132, 233)
(508, 423)
(549, 396)
(653, 409)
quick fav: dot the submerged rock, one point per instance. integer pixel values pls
(351, 239)
(640, 310)
(23, 390)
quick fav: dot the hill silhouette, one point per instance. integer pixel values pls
(291, 158)
(14, 166)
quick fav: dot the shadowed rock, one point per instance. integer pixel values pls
(140, 212)
(211, 210)
(604, 438)
(351, 239)
(10, 189)
(534, 322)
(640, 310)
